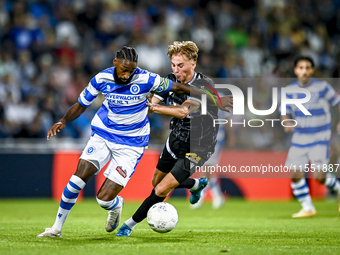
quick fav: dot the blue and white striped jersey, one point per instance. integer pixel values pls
(123, 116)
(316, 128)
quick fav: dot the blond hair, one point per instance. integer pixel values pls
(186, 48)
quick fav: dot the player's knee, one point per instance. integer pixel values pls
(85, 170)
(161, 191)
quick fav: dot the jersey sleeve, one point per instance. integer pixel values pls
(160, 84)
(89, 94)
(162, 96)
(331, 95)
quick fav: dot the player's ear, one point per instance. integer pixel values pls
(295, 71)
(115, 61)
(194, 64)
(313, 70)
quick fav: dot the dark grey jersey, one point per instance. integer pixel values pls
(195, 128)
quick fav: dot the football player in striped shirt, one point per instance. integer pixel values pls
(120, 133)
(192, 139)
(311, 135)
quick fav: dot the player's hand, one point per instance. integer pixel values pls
(227, 101)
(151, 106)
(149, 103)
(149, 97)
(57, 127)
(289, 129)
(338, 128)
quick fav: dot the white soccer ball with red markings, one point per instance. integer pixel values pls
(162, 217)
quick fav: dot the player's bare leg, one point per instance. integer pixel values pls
(168, 183)
(195, 185)
(157, 177)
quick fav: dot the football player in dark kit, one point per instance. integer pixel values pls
(191, 141)
(120, 131)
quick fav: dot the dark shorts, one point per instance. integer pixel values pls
(181, 159)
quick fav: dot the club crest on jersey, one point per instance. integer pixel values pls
(108, 88)
(134, 89)
(121, 171)
(90, 150)
(164, 84)
(159, 89)
(314, 96)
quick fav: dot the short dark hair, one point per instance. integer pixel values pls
(304, 58)
(127, 53)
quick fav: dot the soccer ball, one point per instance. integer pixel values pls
(162, 217)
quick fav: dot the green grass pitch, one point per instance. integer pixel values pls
(239, 227)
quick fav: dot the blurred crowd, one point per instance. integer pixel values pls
(50, 49)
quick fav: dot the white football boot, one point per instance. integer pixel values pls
(50, 232)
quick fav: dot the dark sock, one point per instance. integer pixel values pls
(142, 211)
(187, 184)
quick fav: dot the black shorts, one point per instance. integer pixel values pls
(181, 159)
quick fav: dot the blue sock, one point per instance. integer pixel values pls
(109, 205)
(68, 199)
(332, 182)
(301, 192)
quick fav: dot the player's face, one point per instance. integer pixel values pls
(124, 69)
(182, 67)
(304, 71)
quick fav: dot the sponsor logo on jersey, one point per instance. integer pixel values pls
(121, 171)
(314, 96)
(121, 99)
(193, 157)
(90, 150)
(134, 89)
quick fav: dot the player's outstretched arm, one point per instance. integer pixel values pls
(74, 112)
(180, 88)
(178, 111)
